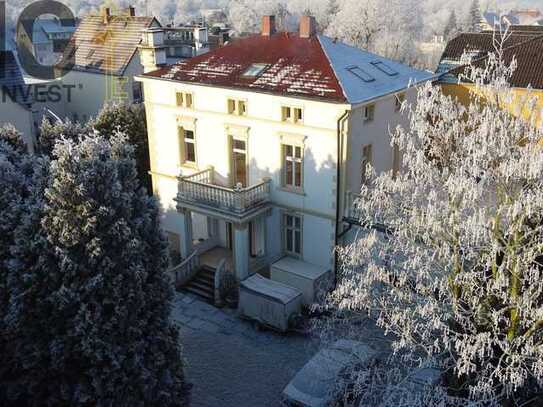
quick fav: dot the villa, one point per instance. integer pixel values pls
(256, 148)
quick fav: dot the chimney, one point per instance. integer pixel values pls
(268, 25)
(131, 11)
(308, 26)
(105, 14)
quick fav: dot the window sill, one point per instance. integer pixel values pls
(297, 191)
(188, 165)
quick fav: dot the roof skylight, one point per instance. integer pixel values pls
(384, 68)
(255, 70)
(360, 73)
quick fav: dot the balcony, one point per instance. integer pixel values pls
(199, 192)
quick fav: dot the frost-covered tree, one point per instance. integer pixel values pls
(129, 120)
(13, 137)
(332, 8)
(50, 132)
(358, 23)
(451, 29)
(386, 28)
(245, 15)
(20, 172)
(473, 23)
(450, 260)
(90, 298)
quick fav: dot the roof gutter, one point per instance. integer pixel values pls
(412, 85)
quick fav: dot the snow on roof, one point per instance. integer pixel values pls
(295, 66)
(300, 268)
(12, 82)
(107, 47)
(315, 67)
(365, 76)
(271, 289)
(54, 26)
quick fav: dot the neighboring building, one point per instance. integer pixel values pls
(24, 101)
(523, 17)
(15, 97)
(525, 44)
(255, 146)
(219, 35)
(185, 41)
(500, 21)
(491, 21)
(106, 62)
(49, 39)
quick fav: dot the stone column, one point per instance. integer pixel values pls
(186, 233)
(241, 250)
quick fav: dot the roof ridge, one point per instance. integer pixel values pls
(331, 65)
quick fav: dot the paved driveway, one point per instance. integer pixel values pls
(229, 363)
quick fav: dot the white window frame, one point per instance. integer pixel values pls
(366, 158)
(369, 112)
(399, 99)
(289, 114)
(292, 230)
(183, 141)
(236, 107)
(297, 162)
(181, 99)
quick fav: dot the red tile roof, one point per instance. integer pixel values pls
(107, 48)
(297, 67)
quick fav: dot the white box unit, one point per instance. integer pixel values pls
(310, 279)
(268, 302)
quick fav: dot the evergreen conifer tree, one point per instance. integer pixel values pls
(91, 298)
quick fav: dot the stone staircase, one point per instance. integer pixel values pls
(203, 285)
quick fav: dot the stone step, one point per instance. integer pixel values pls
(203, 284)
(199, 292)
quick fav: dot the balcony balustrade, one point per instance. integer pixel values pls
(200, 190)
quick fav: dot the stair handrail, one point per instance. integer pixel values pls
(186, 270)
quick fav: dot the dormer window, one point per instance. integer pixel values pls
(255, 70)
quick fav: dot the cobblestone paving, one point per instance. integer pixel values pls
(230, 363)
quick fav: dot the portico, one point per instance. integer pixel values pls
(230, 221)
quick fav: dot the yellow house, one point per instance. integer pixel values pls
(524, 44)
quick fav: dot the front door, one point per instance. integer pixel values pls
(239, 162)
(229, 236)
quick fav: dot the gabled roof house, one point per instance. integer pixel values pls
(106, 59)
(524, 44)
(16, 97)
